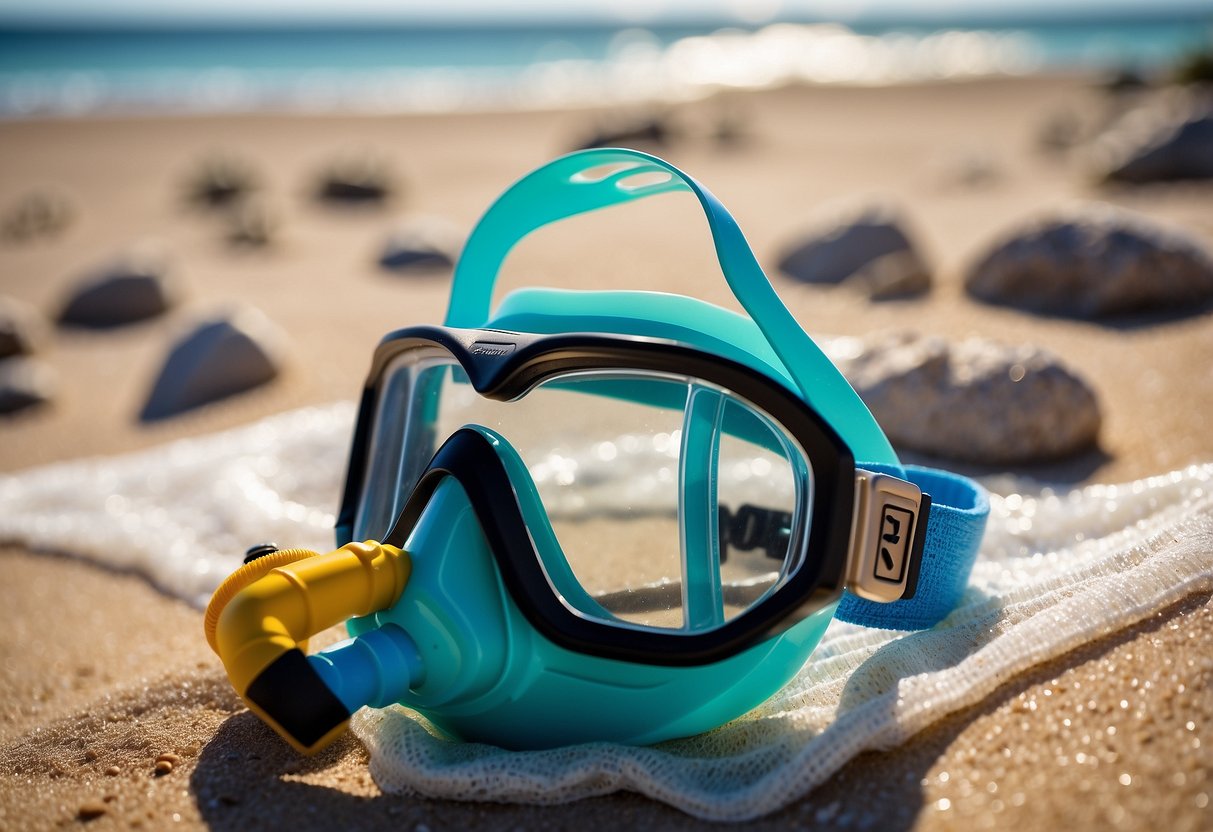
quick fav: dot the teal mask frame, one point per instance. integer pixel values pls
(456, 647)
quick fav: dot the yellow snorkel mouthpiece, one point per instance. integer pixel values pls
(260, 618)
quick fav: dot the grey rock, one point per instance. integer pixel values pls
(131, 288)
(219, 357)
(643, 131)
(866, 248)
(424, 244)
(1169, 138)
(901, 274)
(220, 181)
(974, 401)
(24, 383)
(1124, 79)
(20, 329)
(360, 179)
(1093, 261)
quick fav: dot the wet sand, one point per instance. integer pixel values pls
(98, 670)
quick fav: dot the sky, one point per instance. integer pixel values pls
(626, 11)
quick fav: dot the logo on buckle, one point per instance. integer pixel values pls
(889, 518)
(896, 533)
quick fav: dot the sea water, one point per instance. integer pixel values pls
(82, 69)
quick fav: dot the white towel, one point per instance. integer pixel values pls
(1055, 570)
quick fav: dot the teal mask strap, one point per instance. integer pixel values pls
(567, 187)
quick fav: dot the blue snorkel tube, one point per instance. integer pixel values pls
(436, 622)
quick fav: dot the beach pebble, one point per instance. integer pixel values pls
(91, 810)
(975, 401)
(423, 244)
(130, 288)
(866, 247)
(1124, 79)
(24, 383)
(112, 771)
(220, 181)
(250, 225)
(219, 357)
(20, 330)
(645, 131)
(163, 767)
(1092, 261)
(1166, 139)
(36, 215)
(356, 180)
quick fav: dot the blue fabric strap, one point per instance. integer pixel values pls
(959, 509)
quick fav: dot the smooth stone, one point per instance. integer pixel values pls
(1195, 67)
(976, 400)
(898, 275)
(356, 180)
(1124, 79)
(20, 329)
(24, 383)
(220, 181)
(131, 288)
(40, 214)
(250, 225)
(647, 131)
(219, 357)
(1167, 139)
(865, 247)
(426, 244)
(1093, 261)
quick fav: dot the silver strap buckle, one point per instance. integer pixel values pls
(887, 533)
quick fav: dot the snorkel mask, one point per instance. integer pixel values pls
(620, 516)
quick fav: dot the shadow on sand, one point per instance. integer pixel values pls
(247, 778)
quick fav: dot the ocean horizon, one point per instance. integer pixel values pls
(59, 70)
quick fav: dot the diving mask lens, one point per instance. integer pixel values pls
(654, 500)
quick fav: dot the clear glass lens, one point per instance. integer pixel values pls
(655, 500)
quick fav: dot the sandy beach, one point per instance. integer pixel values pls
(100, 673)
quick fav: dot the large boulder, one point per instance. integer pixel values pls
(974, 401)
(220, 356)
(866, 247)
(1167, 139)
(1092, 261)
(130, 288)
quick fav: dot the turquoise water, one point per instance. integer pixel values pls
(58, 72)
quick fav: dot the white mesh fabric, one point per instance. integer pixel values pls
(1055, 571)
